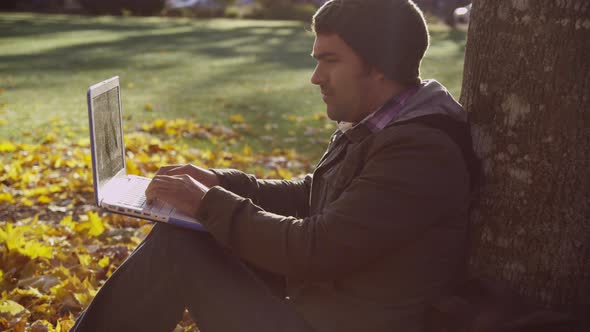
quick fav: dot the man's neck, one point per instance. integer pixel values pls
(382, 96)
(390, 91)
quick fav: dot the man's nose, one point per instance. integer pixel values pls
(317, 77)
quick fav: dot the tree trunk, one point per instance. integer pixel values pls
(527, 87)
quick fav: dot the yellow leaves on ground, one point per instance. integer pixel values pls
(319, 116)
(92, 224)
(247, 151)
(63, 325)
(12, 315)
(284, 173)
(6, 198)
(20, 240)
(104, 262)
(44, 199)
(11, 308)
(84, 259)
(73, 292)
(237, 118)
(54, 268)
(6, 146)
(57, 248)
(67, 222)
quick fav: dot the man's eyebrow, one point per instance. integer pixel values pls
(324, 55)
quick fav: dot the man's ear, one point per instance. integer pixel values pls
(375, 72)
(378, 74)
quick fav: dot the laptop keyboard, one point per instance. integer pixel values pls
(135, 198)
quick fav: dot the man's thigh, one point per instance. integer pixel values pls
(222, 293)
(175, 268)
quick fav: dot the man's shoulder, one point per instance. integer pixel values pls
(413, 134)
(441, 137)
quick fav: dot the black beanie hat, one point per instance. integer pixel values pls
(390, 35)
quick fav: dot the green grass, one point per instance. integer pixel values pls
(204, 70)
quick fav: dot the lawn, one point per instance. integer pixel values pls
(217, 93)
(203, 70)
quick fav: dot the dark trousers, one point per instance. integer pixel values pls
(174, 269)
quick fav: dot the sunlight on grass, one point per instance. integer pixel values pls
(203, 70)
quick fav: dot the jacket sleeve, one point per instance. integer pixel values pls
(285, 197)
(405, 187)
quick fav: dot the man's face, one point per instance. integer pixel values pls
(346, 81)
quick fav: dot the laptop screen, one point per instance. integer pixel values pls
(108, 134)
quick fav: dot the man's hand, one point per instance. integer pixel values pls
(202, 175)
(181, 191)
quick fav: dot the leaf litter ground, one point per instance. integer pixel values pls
(57, 248)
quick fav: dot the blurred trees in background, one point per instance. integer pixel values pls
(34, 5)
(286, 9)
(250, 9)
(301, 10)
(115, 7)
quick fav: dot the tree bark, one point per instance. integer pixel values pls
(526, 86)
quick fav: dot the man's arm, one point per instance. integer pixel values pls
(284, 197)
(287, 197)
(406, 186)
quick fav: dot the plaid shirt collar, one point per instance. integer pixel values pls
(377, 120)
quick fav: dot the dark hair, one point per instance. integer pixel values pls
(390, 35)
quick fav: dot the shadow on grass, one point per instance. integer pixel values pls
(31, 25)
(282, 46)
(205, 70)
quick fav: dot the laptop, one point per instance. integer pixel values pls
(114, 190)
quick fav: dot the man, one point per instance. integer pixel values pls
(364, 244)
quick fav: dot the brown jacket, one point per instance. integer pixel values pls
(375, 234)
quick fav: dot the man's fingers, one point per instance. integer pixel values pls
(190, 171)
(158, 184)
(165, 184)
(165, 170)
(163, 194)
(165, 178)
(181, 191)
(176, 170)
(166, 181)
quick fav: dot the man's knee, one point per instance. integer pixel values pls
(174, 234)
(166, 237)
